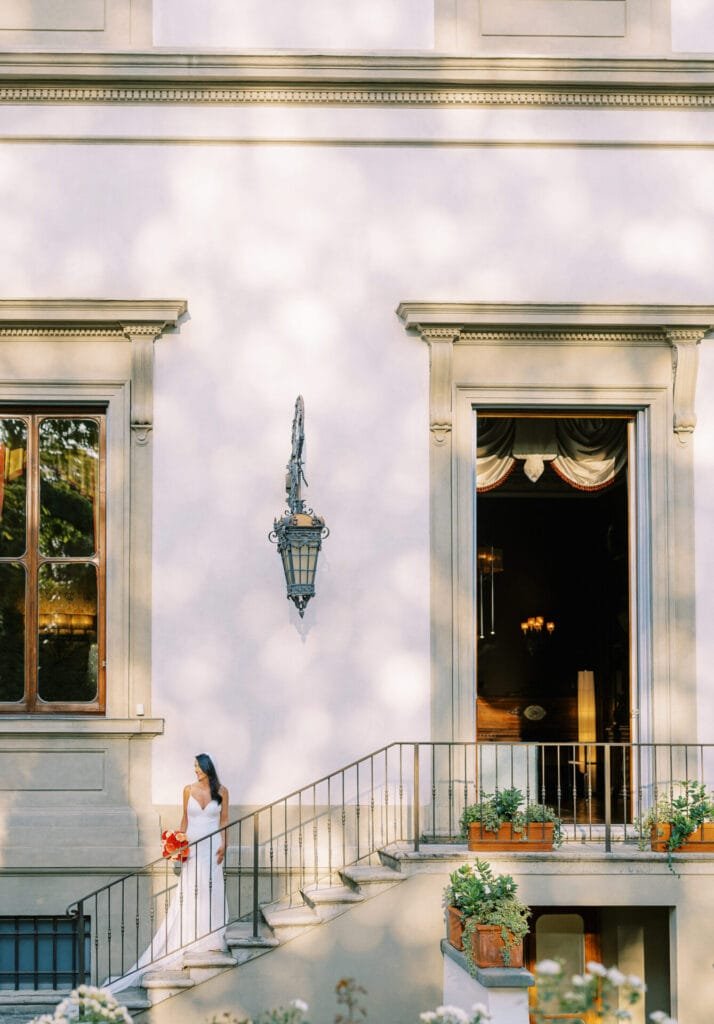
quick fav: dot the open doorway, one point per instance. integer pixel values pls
(553, 601)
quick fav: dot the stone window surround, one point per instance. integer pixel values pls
(641, 359)
(107, 357)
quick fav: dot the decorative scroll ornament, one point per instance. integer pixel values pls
(299, 532)
(685, 365)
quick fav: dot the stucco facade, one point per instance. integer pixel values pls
(207, 211)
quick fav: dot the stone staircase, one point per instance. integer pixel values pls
(282, 921)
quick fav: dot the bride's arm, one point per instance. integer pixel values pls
(184, 820)
(223, 822)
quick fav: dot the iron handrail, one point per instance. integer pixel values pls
(577, 778)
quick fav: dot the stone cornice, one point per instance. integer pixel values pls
(355, 79)
(78, 318)
(589, 321)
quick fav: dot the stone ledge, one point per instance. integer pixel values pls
(490, 977)
(59, 725)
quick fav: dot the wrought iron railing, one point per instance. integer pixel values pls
(411, 793)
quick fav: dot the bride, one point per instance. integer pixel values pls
(197, 914)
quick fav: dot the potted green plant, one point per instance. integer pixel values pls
(682, 823)
(485, 918)
(501, 819)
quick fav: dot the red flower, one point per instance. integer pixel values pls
(175, 845)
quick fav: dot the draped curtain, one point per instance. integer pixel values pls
(586, 453)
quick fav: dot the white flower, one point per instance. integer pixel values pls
(300, 1005)
(453, 1014)
(577, 981)
(428, 1016)
(595, 968)
(479, 1008)
(616, 976)
(658, 1016)
(548, 967)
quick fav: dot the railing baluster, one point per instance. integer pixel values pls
(371, 806)
(401, 792)
(81, 975)
(433, 791)
(384, 817)
(451, 792)
(608, 800)
(256, 904)
(343, 818)
(329, 832)
(415, 812)
(314, 836)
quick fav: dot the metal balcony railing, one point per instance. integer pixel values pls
(405, 792)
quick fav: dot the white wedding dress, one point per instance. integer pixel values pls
(197, 914)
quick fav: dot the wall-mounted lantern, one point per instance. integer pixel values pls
(299, 533)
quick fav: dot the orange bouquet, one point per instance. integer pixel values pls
(174, 845)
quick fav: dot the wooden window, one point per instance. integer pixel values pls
(52, 560)
(569, 934)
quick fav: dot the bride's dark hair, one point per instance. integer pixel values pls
(207, 767)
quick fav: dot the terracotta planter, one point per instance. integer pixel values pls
(536, 835)
(701, 841)
(487, 943)
(487, 948)
(455, 927)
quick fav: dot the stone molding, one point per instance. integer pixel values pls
(59, 725)
(364, 95)
(141, 322)
(410, 80)
(555, 319)
(81, 317)
(443, 325)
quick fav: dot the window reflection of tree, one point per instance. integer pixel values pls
(69, 451)
(56, 544)
(13, 486)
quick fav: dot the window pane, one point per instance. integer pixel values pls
(68, 658)
(12, 631)
(562, 937)
(13, 486)
(69, 459)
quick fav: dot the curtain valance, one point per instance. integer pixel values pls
(586, 453)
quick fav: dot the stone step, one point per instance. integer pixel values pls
(279, 917)
(333, 901)
(134, 999)
(332, 894)
(209, 958)
(166, 980)
(244, 946)
(369, 878)
(240, 936)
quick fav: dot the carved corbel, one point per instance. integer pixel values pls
(142, 338)
(685, 363)
(441, 343)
